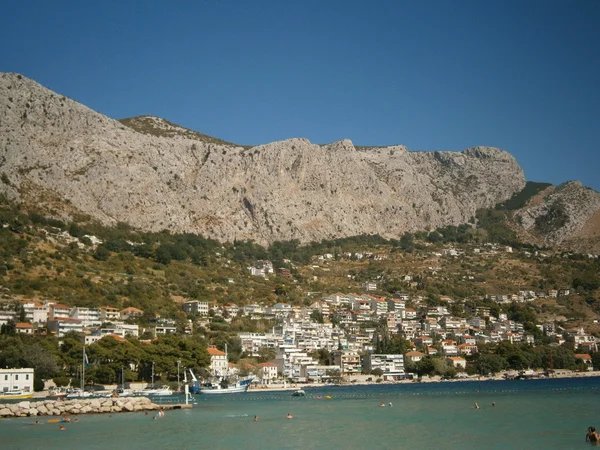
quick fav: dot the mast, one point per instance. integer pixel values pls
(226, 361)
(83, 369)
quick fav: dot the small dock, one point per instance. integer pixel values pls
(171, 403)
(176, 406)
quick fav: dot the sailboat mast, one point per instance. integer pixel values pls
(83, 369)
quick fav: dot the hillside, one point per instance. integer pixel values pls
(44, 259)
(62, 157)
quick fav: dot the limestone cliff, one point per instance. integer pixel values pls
(60, 156)
(566, 216)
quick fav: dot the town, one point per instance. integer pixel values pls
(342, 337)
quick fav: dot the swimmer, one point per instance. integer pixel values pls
(37, 422)
(382, 404)
(592, 436)
(76, 419)
(256, 418)
(476, 406)
(62, 428)
(289, 416)
(391, 404)
(493, 403)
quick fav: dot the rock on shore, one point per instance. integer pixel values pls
(76, 406)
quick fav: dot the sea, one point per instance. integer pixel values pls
(520, 414)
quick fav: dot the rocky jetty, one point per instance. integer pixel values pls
(76, 407)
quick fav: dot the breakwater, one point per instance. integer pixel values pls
(76, 406)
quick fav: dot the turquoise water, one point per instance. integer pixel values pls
(549, 414)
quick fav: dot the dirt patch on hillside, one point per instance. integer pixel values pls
(591, 228)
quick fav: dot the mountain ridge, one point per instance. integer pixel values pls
(61, 156)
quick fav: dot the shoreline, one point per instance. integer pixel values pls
(434, 379)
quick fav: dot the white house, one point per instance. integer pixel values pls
(16, 379)
(218, 361)
(268, 372)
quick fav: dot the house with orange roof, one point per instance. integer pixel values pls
(378, 305)
(586, 358)
(130, 313)
(457, 361)
(24, 328)
(467, 349)
(414, 356)
(396, 305)
(59, 311)
(423, 341)
(218, 361)
(410, 313)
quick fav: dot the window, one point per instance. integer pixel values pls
(27, 377)
(5, 377)
(16, 377)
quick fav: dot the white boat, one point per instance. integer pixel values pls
(78, 393)
(57, 393)
(299, 393)
(155, 391)
(15, 394)
(225, 388)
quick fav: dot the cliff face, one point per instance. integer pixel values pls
(567, 216)
(62, 157)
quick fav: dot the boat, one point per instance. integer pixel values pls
(155, 391)
(57, 393)
(223, 387)
(78, 393)
(15, 394)
(299, 393)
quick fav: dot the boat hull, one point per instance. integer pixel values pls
(16, 396)
(229, 390)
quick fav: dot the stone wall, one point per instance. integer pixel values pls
(76, 406)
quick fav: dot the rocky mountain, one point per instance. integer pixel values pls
(62, 158)
(567, 216)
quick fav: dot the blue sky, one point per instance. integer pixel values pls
(434, 75)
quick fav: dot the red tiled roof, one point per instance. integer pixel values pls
(215, 351)
(115, 337)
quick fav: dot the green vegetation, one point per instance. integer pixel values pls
(107, 358)
(520, 199)
(146, 125)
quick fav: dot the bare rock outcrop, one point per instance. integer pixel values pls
(567, 216)
(60, 156)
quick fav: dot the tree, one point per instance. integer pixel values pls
(9, 328)
(490, 363)
(377, 372)
(316, 316)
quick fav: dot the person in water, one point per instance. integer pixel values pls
(592, 436)
(62, 428)
(382, 404)
(476, 406)
(256, 418)
(289, 416)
